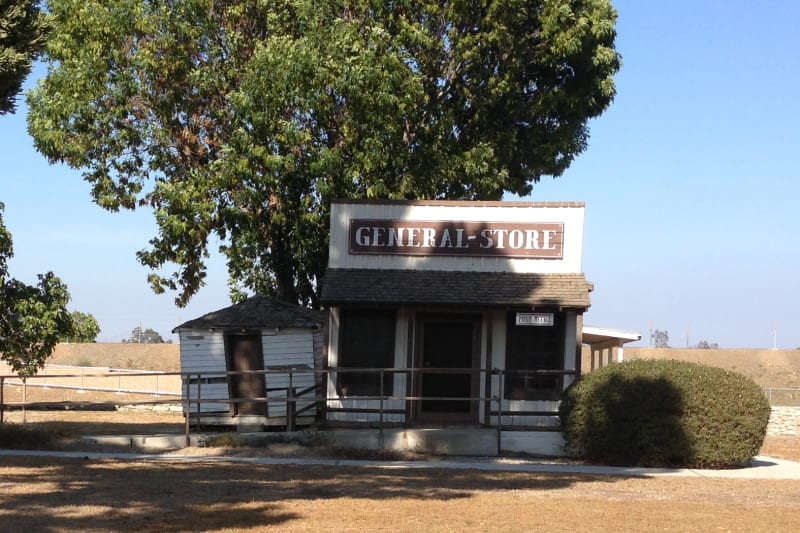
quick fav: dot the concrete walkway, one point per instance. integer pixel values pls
(762, 467)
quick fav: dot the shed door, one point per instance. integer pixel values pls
(244, 353)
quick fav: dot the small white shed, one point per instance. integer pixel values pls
(247, 356)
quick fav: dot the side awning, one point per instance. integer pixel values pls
(607, 344)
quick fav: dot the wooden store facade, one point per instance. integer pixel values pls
(453, 313)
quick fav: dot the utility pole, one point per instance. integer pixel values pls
(775, 336)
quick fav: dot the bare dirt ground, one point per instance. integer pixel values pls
(60, 495)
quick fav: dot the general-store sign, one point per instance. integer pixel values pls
(543, 240)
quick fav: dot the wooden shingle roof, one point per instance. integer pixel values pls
(257, 312)
(436, 287)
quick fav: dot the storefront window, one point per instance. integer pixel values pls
(367, 342)
(528, 349)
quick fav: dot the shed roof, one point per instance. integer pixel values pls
(257, 312)
(439, 287)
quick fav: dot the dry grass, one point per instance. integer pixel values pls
(59, 495)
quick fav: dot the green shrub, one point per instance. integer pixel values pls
(664, 413)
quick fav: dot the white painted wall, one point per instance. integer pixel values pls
(290, 347)
(203, 351)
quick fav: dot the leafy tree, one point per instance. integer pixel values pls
(705, 345)
(237, 122)
(84, 328)
(32, 317)
(659, 339)
(23, 28)
(145, 336)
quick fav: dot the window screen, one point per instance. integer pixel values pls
(366, 341)
(531, 348)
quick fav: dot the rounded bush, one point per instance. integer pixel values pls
(664, 413)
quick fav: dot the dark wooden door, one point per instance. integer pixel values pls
(244, 353)
(447, 343)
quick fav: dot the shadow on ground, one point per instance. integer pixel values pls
(48, 494)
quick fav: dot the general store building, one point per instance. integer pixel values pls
(464, 315)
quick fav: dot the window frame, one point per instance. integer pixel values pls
(351, 354)
(535, 348)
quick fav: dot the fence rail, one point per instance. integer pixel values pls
(782, 396)
(301, 399)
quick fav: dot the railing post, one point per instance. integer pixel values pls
(2, 403)
(24, 400)
(500, 411)
(380, 416)
(187, 409)
(291, 406)
(199, 400)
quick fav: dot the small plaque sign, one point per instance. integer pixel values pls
(534, 319)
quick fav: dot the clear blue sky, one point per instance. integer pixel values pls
(689, 182)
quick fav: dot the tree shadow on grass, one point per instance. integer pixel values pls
(74, 494)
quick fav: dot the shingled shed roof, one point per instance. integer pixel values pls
(257, 312)
(436, 287)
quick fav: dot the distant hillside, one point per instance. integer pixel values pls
(135, 356)
(768, 368)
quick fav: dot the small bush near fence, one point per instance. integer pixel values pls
(664, 413)
(24, 437)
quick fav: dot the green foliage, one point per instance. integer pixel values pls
(659, 339)
(144, 336)
(705, 345)
(32, 317)
(23, 29)
(237, 122)
(664, 413)
(84, 328)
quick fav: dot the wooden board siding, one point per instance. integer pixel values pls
(203, 351)
(289, 348)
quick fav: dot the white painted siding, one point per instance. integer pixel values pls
(571, 215)
(289, 348)
(203, 351)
